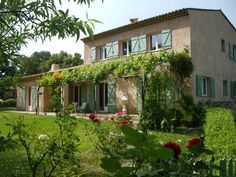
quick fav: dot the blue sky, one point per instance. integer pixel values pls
(115, 13)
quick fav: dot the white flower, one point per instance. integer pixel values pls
(43, 137)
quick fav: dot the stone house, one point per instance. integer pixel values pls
(206, 33)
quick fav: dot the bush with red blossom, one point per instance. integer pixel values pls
(175, 147)
(91, 116)
(194, 141)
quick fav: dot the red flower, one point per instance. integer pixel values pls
(120, 113)
(175, 147)
(98, 121)
(57, 77)
(91, 116)
(123, 122)
(193, 141)
(112, 118)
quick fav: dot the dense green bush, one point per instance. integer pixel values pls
(10, 102)
(220, 133)
(198, 116)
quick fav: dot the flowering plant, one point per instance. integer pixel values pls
(175, 147)
(91, 116)
(194, 141)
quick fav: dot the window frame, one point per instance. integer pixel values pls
(128, 46)
(102, 55)
(156, 42)
(204, 90)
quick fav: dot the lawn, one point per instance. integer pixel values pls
(14, 163)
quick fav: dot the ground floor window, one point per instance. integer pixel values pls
(77, 95)
(205, 86)
(233, 89)
(225, 88)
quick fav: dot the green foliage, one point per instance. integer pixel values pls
(129, 152)
(8, 103)
(132, 65)
(159, 98)
(198, 116)
(7, 143)
(220, 133)
(181, 68)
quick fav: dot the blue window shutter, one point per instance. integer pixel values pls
(111, 97)
(109, 50)
(93, 54)
(135, 45)
(91, 97)
(33, 97)
(139, 94)
(213, 91)
(83, 93)
(115, 51)
(198, 85)
(142, 43)
(166, 39)
(23, 98)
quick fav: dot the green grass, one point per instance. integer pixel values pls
(14, 163)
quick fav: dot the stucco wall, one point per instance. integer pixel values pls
(128, 86)
(207, 30)
(180, 35)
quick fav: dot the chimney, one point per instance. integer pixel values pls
(55, 67)
(133, 20)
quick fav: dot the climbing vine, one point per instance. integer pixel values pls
(131, 65)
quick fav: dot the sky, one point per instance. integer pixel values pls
(115, 13)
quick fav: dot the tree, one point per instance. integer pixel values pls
(24, 20)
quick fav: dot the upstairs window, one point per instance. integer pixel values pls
(102, 53)
(232, 51)
(155, 41)
(93, 54)
(225, 88)
(161, 40)
(222, 45)
(126, 47)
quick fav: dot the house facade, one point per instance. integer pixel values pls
(207, 34)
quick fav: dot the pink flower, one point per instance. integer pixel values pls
(91, 116)
(120, 113)
(193, 141)
(175, 147)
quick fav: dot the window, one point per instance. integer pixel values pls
(93, 54)
(205, 86)
(222, 45)
(232, 51)
(102, 53)
(225, 88)
(126, 47)
(233, 89)
(155, 41)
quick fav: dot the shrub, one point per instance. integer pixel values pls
(220, 133)
(198, 116)
(10, 102)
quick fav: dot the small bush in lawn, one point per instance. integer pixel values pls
(8, 103)
(220, 133)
